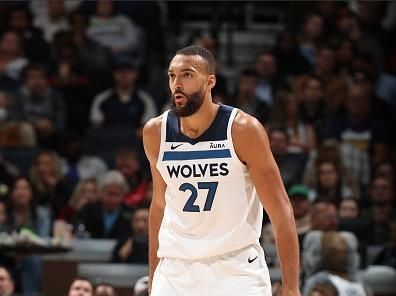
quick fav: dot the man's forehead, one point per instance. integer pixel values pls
(180, 62)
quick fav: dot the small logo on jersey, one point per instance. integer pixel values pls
(217, 145)
(173, 147)
(251, 260)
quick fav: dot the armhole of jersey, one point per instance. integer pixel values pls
(163, 137)
(229, 136)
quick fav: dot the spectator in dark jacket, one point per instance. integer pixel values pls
(105, 218)
(37, 103)
(135, 248)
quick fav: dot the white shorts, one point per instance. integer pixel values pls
(241, 272)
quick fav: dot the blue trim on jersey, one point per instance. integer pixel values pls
(203, 154)
(217, 131)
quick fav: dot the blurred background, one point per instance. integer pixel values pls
(79, 79)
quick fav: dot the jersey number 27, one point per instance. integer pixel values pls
(190, 205)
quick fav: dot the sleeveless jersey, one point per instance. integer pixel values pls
(211, 203)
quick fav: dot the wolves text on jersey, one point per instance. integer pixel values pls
(198, 170)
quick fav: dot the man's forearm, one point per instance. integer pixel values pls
(153, 259)
(288, 253)
(155, 220)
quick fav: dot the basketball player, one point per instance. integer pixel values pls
(212, 166)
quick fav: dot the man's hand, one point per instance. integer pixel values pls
(126, 249)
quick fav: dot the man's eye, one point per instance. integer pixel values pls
(187, 75)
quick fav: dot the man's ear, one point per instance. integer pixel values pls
(211, 81)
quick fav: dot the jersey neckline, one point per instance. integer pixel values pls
(205, 136)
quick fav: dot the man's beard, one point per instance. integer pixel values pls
(193, 103)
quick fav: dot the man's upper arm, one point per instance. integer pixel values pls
(151, 142)
(252, 147)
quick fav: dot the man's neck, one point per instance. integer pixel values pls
(195, 125)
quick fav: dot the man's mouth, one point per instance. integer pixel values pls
(178, 98)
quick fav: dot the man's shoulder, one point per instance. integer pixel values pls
(154, 124)
(244, 122)
(152, 129)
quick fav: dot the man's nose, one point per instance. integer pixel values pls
(177, 84)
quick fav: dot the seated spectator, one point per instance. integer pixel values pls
(350, 220)
(104, 289)
(116, 32)
(298, 195)
(81, 287)
(53, 20)
(363, 137)
(135, 248)
(124, 104)
(382, 84)
(95, 57)
(53, 191)
(345, 51)
(381, 188)
(385, 169)
(68, 76)
(324, 216)
(105, 218)
(285, 114)
(387, 256)
(37, 103)
(13, 134)
(128, 163)
(77, 166)
(311, 32)
(329, 185)
(246, 99)
(11, 60)
(270, 82)
(335, 86)
(85, 192)
(290, 164)
(23, 213)
(381, 197)
(20, 21)
(290, 61)
(348, 209)
(312, 104)
(337, 264)
(328, 151)
(7, 285)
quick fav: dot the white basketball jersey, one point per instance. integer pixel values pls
(211, 204)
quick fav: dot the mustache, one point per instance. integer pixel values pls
(180, 93)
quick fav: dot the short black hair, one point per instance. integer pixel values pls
(203, 53)
(82, 278)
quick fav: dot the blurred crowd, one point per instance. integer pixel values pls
(78, 80)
